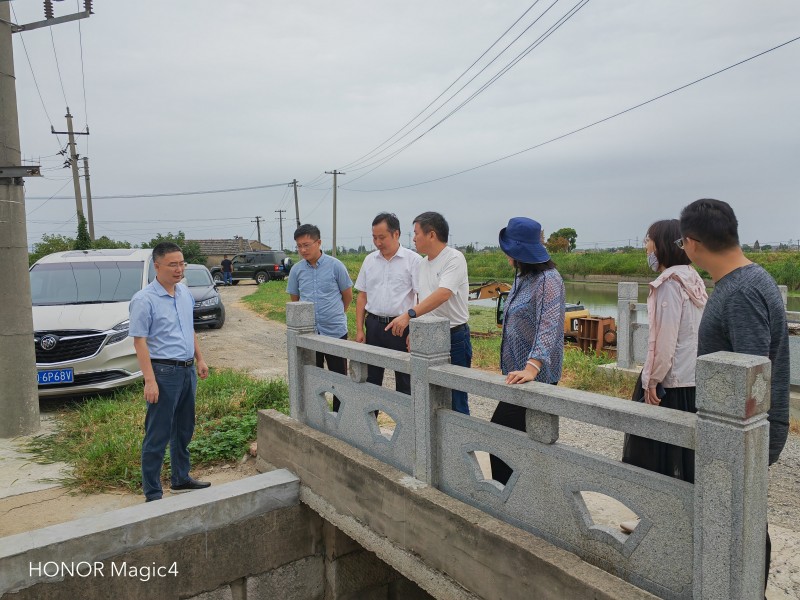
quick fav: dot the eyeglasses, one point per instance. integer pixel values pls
(679, 243)
(307, 246)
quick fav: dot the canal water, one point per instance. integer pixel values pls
(601, 298)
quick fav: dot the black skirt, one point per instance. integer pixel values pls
(666, 459)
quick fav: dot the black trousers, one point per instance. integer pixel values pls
(376, 336)
(337, 364)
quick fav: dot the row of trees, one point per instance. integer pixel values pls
(82, 241)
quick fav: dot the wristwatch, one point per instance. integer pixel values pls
(412, 313)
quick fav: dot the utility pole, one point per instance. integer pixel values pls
(19, 398)
(73, 160)
(258, 225)
(296, 203)
(280, 219)
(88, 196)
(334, 173)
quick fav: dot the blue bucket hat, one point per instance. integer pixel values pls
(521, 239)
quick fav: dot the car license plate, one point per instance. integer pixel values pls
(51, 376)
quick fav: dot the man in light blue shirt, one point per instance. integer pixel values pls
(162, 328)
(323, 280)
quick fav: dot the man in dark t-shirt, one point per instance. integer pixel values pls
(227, 270)
(745, 312)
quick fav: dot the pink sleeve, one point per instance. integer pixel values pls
(664, 327)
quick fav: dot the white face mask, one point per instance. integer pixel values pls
(652, 261)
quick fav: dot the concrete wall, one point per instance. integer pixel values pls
(687, 532)
(247, 540)
(450, 549)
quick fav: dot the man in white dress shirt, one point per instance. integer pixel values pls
(387, 285)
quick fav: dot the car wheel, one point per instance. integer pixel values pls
(218, 278)
(235, 282)
(262, 277)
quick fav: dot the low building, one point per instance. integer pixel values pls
(215, 250)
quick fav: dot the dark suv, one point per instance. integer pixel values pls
(261, 266)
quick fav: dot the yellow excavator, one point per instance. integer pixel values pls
(499, 291)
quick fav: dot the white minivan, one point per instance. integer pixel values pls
(80, 318)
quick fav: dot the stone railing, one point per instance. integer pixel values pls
(703, 540)
(632, 330)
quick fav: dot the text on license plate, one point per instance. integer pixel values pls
(51, 376)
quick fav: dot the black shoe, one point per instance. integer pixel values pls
(190, 484)
(151, 499)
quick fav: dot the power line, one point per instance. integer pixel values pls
(167, 194)
(352, 164)
(33, 75)
(585, 127)
(58, 68)
(535, 44)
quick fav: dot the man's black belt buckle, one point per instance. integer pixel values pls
(384, 320)
(169, 361)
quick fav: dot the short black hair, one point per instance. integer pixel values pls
(311, 231)
(663, 235)
(712, 223)
(433, 221)
(163, 248)
(391, 220)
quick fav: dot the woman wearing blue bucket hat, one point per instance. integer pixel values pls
(533, 323)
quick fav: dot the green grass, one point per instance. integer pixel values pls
(486, 266)
(101, 436)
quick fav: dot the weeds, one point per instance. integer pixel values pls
(101, 436)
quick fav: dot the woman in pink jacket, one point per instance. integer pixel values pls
(675, 303)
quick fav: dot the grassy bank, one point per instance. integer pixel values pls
(101, 436)
(484, 266)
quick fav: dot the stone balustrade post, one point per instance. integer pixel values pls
(730, 493)
(300, 320)
(784, 290)
(430, 346)
(627, 294)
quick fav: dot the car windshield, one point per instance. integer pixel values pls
(85, 282)
(198, 278)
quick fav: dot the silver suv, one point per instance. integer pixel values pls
(80, 318)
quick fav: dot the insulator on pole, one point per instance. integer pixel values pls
(48, 9)
(87, 6)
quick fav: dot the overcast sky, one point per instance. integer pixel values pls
(200, 95)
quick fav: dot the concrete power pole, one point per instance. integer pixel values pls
(296, 203)
(73, 160)
(19, 395)
(334, 173)
(88, 197)
(280, 220)
(258, 225)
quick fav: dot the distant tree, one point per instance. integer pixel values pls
(83, 241)
(105, 242)
(747, 248)
(557, 244)
(766, 247)
(50, 244)
(191, 250)
(568, 233)
(470, 249)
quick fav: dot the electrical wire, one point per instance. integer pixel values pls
(585, 127)
(535, 44)
(457, 79)
(58, 68)
(33, 75)
(48, 200)
(83, 79)
(167, 194)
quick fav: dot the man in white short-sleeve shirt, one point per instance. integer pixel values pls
(387, 285)
(443, 292)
